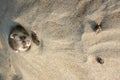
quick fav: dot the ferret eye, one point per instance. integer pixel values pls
(13, 35)
(22, 37)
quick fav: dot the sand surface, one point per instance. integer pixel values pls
(69, 45)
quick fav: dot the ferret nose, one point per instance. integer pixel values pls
(28, 42)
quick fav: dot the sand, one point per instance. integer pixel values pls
(69, 45)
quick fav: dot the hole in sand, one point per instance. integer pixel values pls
(99, 60)
(97, 28)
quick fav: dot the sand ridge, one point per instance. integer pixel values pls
(69, 44)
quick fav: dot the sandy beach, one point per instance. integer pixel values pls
(71, 45)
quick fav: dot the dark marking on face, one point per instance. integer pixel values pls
(19, 28)
(22, 38)
(99, 60)
(13, 44)
(14, 35)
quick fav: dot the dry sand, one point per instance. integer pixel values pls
(69, 46)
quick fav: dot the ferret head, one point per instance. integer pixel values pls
(22, 41)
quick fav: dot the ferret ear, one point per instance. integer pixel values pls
(12, 36)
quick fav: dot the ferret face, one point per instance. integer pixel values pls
(22, 40)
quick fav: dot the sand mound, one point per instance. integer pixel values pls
(70, 48)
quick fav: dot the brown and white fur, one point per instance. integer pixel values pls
(20, 39)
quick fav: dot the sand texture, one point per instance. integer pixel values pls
(70, 48)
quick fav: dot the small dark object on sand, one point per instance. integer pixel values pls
(97, 28)
(99, 60)
(35, 38)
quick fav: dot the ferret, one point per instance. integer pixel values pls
(20, 39)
